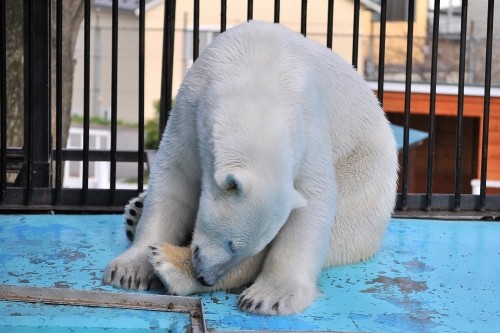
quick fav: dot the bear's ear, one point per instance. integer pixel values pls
(298, 200)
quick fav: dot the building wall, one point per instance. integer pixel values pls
(290, 13)
(477, 24)
(153, 55)
(100, 76)
(100, 92)
(447, 106)
(396, 38)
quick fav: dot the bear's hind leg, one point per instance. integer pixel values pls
(133, 212)
(367, 190)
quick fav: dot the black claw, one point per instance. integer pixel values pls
(138, 204)
(130, 222)
(242, 304)
(137, 283)
(249, 304)
(130, 235)
(158, 263)
(276, 306)
(129, 282)
(154, 253)
(113, 273)
(258, 306)
(149, 285)
(132, 212)
(239, 301)
(153, 248)
(122, 280)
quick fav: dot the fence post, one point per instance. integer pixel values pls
(36, 166)
(168, 63)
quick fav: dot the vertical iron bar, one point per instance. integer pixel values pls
(223, 15)
(3, 104)
(381, 51)
(329, 33)
(37, 97)
(48, 158)
(140, 161)
(276, 11)
(303, 18)
(460, 110)
(406, 130)
(28, 119)
(355, 34)
(432, 107)
(86, 102)
(249, 10)
(114, 99)
(486, 114)
(168, 63)
(196, 30)
(59, 97)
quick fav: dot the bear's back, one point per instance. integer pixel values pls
(269, 58)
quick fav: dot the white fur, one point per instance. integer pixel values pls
(280, 159)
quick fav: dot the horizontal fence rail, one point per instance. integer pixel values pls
(32, 172)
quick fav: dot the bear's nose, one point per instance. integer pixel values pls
(202, 281)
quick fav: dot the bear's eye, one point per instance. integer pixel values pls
(232, 184)
(232, 187)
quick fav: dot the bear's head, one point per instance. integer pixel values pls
(239, 214)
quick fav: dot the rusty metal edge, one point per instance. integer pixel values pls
(55, 296)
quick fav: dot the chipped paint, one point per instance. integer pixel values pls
(429, 276)
(397, 291)
(404, 284)
(417, 266)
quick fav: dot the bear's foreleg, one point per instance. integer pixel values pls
(169, 209)
(166, 217)
(287, 283)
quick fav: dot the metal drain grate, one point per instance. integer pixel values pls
(54, 296)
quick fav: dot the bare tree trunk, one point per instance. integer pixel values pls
(15, 79)
(73, 12)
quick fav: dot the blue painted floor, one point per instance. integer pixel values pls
(430, 276)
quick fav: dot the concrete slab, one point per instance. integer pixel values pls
(430, 276)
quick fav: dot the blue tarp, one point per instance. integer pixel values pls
(415, 136)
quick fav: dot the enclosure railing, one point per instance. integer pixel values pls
(31, 176)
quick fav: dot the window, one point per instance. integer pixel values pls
(99, 139)
(397, 10)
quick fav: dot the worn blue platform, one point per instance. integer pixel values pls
(430, 276)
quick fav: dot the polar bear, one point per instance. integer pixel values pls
(277, 161)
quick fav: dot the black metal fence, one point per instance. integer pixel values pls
(31, 176)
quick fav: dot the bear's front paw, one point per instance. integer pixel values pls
(131, 270)
(270, 296)
(173, 266)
